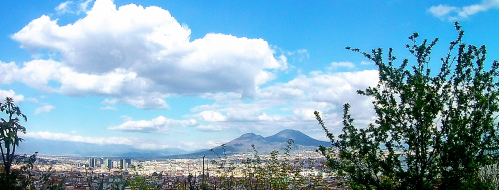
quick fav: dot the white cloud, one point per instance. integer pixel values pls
(152, 146)
(151, 101)
(139, 56)
(264, 117)
(441, 10)
(204, 108)
(264, 77)
(64, 7)
(137, 143)
(44, 109)
(156, 125)
(109, 101)
(10, 93)
(292, 104)
(210, 116)
(73, 7)
(335, 65)
(191, 146)
(125, 86)
(6, 70)
(84, 5)
(452, 13)
(210, 128)
(77, 138)
(366, 63)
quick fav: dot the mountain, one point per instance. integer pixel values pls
(242, 144)
(50, 147)
(263, 145)
(298, 137)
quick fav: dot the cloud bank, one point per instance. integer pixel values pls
(156, 125)
(452, 13)
(139, 56)
(44, 109)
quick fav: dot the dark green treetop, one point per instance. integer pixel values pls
(431, 131)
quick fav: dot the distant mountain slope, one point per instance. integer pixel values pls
(50, 147)
(263, 145)
(241, 144)
(298, 137)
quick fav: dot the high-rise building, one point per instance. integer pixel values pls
(128, 162)
(122, 163)
(91, 162)
(109, 163)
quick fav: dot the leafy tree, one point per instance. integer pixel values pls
(431, 131)
(9, 140)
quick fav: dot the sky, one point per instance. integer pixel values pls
(196, 74)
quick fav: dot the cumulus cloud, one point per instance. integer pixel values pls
(150, 101)
(44, 109)
(137, 143)
(453, 13)
(156, 125)
(38, 73)
(204, 108)
(264, 117)
(210, 116)
(76, 138)
(12, 94)
(125, 86)
(140, 56)
(292, 104)
(210, 128)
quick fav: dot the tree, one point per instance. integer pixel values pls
(8, 137)
(431, 131)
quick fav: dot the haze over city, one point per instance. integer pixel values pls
(195, 74)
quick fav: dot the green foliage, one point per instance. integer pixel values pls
(9, 140)
(489, 175)
(431, 132)
(273, 171)
(138, 183)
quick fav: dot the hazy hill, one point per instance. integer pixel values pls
(50, 147)
(241, 144)
(263, 145)
(299, 138)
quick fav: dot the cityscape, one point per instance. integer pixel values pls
(89, 173)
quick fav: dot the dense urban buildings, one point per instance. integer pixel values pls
(89, 173)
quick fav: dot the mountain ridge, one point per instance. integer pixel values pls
(242, 144)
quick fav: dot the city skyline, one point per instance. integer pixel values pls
(193, 75)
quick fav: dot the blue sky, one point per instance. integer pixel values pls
(195, 74)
